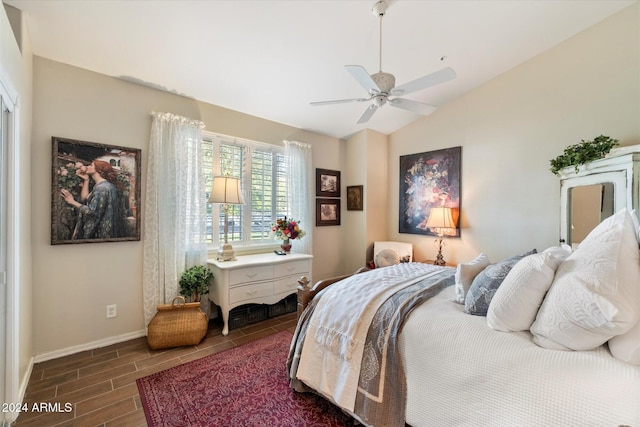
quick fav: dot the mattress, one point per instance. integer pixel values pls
(460, 372)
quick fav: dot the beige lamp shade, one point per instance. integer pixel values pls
(226, 190)
(440, 218)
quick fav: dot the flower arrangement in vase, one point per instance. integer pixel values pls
(287, 230)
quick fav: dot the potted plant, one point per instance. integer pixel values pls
(194, 282)
(586, 151)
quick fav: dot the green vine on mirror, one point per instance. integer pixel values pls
(194, 282)
(584, 152)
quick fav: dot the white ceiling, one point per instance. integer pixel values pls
(271, 58)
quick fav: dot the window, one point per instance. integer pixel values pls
(263, 172)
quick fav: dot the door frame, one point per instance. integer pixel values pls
(12, 392)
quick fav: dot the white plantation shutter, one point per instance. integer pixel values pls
(262, 168)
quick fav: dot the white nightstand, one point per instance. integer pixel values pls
(256, 279)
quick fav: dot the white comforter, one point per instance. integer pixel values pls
(334, 345)
(462, 373)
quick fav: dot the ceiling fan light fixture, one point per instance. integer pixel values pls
(380, 100)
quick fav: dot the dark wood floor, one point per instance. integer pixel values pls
(99, 386)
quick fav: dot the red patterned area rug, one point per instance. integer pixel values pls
(242, 386)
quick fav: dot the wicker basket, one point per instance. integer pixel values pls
(177, 324)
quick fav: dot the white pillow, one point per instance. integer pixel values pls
(595, 291)
(626, 347)
(465, 273)
(516, 302)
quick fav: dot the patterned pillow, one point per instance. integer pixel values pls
(594, 295)
(486, 284)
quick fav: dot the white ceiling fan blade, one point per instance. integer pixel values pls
(362, 76)
(414, 106)
(424, 82)
(339, 101)
(364, 118)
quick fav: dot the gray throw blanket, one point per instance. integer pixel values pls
(381, 397)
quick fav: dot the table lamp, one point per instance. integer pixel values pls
(440, 221)
(226, 191)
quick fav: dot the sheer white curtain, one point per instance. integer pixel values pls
(175, 208)
(300, 190)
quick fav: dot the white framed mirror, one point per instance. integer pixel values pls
(587, 200)
(589, 206)
(597, 190)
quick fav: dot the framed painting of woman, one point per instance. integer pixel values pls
(95, 192)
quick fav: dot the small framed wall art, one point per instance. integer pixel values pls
(354, 197)
(95, 192)
(327, 183)
(327, 212)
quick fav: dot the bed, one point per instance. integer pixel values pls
(395, 345)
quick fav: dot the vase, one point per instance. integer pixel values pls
(286, 246)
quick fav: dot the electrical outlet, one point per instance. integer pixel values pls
(111, 311)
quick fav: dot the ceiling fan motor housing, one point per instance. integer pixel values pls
(379, 8)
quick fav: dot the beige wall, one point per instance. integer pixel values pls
(512, 126)
(365, 163)
(509, 129)
(16, 71)
(74, 283)
(376, 189)
(354, 223)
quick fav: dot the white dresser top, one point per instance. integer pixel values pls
(269, 258)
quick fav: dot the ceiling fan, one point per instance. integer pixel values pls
(381, 86)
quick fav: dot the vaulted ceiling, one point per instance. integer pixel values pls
(272, 58)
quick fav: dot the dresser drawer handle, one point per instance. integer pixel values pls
(291, 269)
(253, 292)
(251, 275)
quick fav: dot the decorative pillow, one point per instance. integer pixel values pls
(626, 347)
(486, 283)
(516, 302)
(595, 292)
(387, 257)
(465, 273)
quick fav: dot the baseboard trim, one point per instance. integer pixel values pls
(88, 346)
(11, 417)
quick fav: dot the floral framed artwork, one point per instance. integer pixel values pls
(327, 183)
(430, 179)
(354, 197)
(95, 192)
(327, 212)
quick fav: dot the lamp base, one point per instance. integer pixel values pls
(226, 253)
(439, 260)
